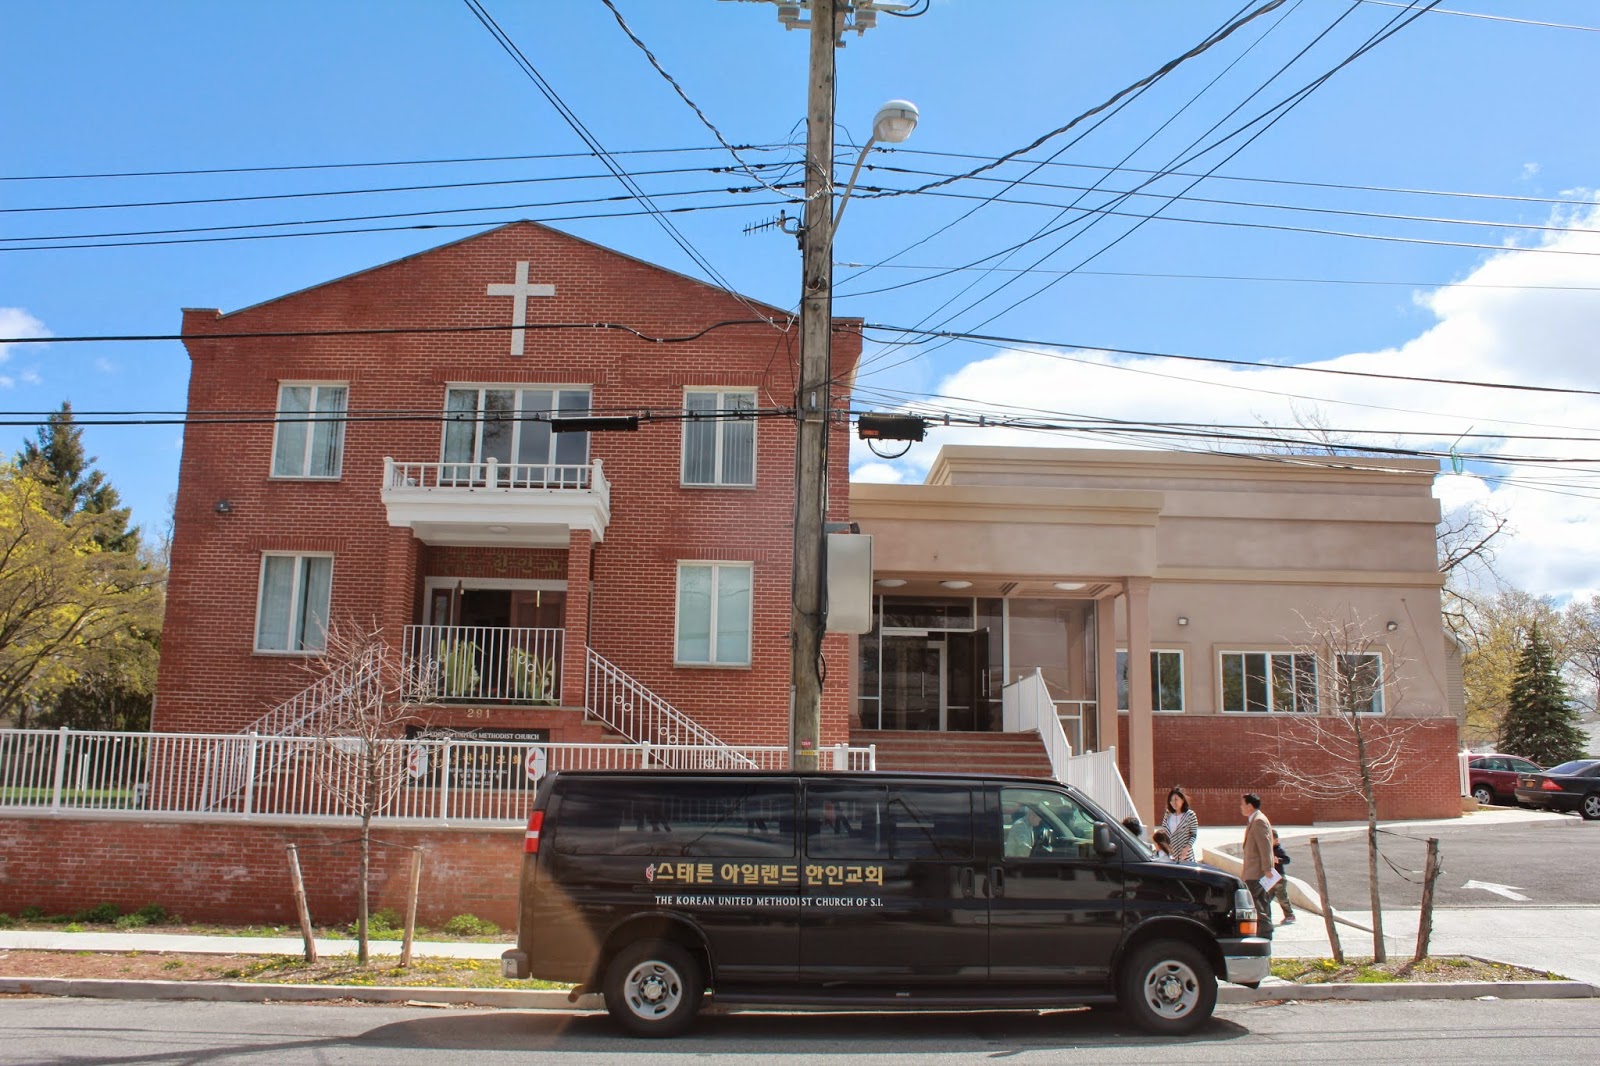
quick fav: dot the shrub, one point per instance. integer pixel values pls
(131, 921)
(470, 925)
(6, 921)
(31, 914)
(386, 918)
(152, 913)
(99, 914)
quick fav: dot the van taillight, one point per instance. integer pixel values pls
(530, 843)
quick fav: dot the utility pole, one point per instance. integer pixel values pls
(814, 400)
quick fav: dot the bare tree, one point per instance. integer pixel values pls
(1352, 745)
(356, 726)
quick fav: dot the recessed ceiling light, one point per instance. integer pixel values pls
(891, 582)
(1071, 586)
(499, 529)
(956, 584)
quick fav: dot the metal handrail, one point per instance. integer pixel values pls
(492, 474)
(626, 705)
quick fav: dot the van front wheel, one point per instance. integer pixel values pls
(653, 988)
(1167, 987)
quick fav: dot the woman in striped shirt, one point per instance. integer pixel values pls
(1181, 824)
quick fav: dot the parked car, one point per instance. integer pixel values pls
(1572, 786)
(934, 891)
(1494, 777)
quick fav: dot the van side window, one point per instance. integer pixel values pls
(717, 819)
(1040, 824)
(886, 824)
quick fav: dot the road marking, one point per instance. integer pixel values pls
(1500, 890)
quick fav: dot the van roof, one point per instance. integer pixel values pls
(811, 775)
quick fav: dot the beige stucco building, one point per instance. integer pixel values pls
(1075, 562)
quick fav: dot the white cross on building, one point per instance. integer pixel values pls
(520, 290)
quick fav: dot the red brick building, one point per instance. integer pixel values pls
(411, 478)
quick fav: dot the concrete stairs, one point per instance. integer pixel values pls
(968, 753)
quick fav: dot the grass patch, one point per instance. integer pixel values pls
(1362, 971)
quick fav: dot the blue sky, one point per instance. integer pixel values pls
(1452, 104)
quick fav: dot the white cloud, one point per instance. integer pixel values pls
(1521, 331)
(7, 381)
(30, 376)
(105, 366)
(1529, 170)
(15, 322)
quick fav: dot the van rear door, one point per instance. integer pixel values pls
(1056, 907)
(891, 885)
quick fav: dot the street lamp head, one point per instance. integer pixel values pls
(895, 121)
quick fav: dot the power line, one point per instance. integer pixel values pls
(1286, 279)
(1510, 386)
(684, 96)
(1491, 18)
(290, 167)
(379, 331)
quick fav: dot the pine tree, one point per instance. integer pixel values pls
(57, 458)
(1539, 724)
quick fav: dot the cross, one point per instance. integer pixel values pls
(520, 290)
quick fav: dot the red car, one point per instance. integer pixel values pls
(1494, 777)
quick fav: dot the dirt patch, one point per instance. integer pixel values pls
(265, 969)
(1432, 970)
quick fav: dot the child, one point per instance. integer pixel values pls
(1280, 891)
(1161, 840)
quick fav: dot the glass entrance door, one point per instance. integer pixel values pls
(914, 684)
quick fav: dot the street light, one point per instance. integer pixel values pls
(893, 123)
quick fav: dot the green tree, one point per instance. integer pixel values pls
(56, 457)
(1539, 724)
(69, 606)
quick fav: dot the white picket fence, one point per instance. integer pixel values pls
(441, 781)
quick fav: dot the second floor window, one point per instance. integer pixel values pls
(308, 440)
(719, 448)
(714, 614)
(512, 427)
(1360, 683)
(292, 607)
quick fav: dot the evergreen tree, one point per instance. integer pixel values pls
(57, 458)
(1539, 724)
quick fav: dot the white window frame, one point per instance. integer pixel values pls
(295, 606)
(1183, 681)
(716, 482)
(1378, 700)
(1272, 657)
(310, 425)
(479, 420)
(716, 566)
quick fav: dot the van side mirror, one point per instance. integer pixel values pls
(1105, 845)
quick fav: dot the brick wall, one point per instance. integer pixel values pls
(239, 873)
(211, 679)
(1217, 758)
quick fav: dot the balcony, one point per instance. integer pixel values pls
(494, 504)
(475, 664)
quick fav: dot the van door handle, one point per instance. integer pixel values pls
(997, 878)
(968, 882)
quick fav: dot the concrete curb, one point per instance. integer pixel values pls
(249, 992)
(530, 999)
(1394, 991)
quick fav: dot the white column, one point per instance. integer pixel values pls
(1141, 720)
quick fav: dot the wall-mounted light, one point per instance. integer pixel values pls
(956, 584)
(1071, 586)
(223, 507)
(891, 582)
(499, 529)
(1183, 619)
(1392, 626)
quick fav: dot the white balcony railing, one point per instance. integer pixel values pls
(487, 662)
(144, 775)
(495, 503)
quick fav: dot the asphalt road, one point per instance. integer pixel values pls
(1552, 863)
(113, 1033)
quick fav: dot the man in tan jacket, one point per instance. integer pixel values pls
(1257, 857)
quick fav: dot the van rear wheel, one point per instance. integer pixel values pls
(653, 988)
(1167, 987)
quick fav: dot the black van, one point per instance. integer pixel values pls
(866, 890)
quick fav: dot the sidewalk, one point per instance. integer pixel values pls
(54, 940)
(1563, 940)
